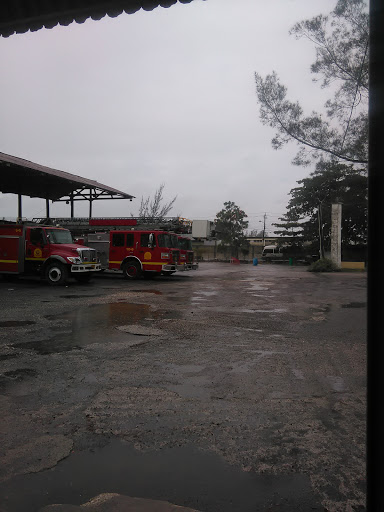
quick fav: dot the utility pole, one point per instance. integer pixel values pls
(265, 216)
(321, 233)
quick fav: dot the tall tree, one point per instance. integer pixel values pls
(230, 225)
(290, 225)
(312, 200)
(341, 133)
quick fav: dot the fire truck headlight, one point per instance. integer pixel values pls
(165, 255)
(74, 259)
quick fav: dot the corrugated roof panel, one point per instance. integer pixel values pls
(19, 16)
(19, 176)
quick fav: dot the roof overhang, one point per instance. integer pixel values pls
(19, 16)
(25, 178)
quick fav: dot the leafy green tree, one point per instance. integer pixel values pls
(230, 225)
(341, 133)
(331, 183)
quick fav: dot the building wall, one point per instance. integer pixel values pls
(209, 251)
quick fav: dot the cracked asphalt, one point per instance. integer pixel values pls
(231, 388)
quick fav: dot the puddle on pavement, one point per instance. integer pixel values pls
(354, 305)
(11, 377)
(105, 315)
(298, 374)
(175, 298)
(197, 387)
(76, 296)
(92, 324)
(184, 476)
(190, 383)
(275, 310)
(337, 383)
(50, 345)
(16, 323)
(156, 292)
(5, 357)
(169, 314)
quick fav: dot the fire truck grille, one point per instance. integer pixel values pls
(175, 256)
(89, 255)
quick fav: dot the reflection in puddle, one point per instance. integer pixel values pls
(93, 324)
(185, 476)
(104, 315)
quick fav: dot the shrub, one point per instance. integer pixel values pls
(323, 265)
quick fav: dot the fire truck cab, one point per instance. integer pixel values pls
(135, 252)
(186, 253)
(46, 251)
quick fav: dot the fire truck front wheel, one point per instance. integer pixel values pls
(56, 273)
(131, 270)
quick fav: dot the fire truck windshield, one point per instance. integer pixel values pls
(174, 242)
(59, 236)
(185, 244)
(164, 240)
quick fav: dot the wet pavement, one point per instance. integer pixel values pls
(232, 388)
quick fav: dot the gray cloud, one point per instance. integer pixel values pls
(161, 97)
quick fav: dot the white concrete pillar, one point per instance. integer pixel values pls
(336, 234)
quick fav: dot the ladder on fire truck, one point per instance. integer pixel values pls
(83, 225)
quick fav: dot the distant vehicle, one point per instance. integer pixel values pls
(27, 249)
(272, 252)
(276, 253)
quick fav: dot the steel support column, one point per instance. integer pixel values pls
(19, 208)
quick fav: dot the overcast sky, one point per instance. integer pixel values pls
(166, 96)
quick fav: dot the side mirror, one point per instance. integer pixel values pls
(150, 241)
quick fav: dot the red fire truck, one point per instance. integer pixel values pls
(27, 249)
(186, 253)
(136, 252)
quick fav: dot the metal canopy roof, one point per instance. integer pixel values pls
(19, 176)
(19, 16)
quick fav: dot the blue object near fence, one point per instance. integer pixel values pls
(255, 261)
